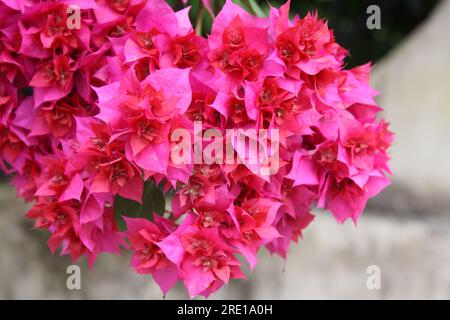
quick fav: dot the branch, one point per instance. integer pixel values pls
(199, 22)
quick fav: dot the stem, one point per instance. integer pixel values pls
(211, 8)
(199, 22)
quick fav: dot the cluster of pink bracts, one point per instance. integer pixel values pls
(86, 114)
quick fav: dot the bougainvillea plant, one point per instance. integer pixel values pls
(93, 92)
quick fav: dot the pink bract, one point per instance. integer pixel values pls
(86, 117)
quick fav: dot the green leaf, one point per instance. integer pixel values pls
(251, 6)
(153, 201)
(256, 8)
(124, 207)
(242, 4)
(193, 12)
(156, 197)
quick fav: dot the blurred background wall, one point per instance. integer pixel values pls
(405, 231)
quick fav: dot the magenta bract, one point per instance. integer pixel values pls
(111, 89)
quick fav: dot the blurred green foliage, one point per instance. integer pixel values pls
(153, 201)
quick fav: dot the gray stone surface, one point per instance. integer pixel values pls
(330, 262)
(414, 81)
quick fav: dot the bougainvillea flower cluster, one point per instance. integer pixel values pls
(87, 115)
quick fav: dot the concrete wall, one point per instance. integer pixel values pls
(331, 262)
(414, 81)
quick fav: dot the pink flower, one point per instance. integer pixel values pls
(142, 114)
(306, 44)
(254, 220)
(148, 257)
(12, 147)
(44, 30)
(238, 43)
(87, 117)
(186, 51)
(207, 262)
